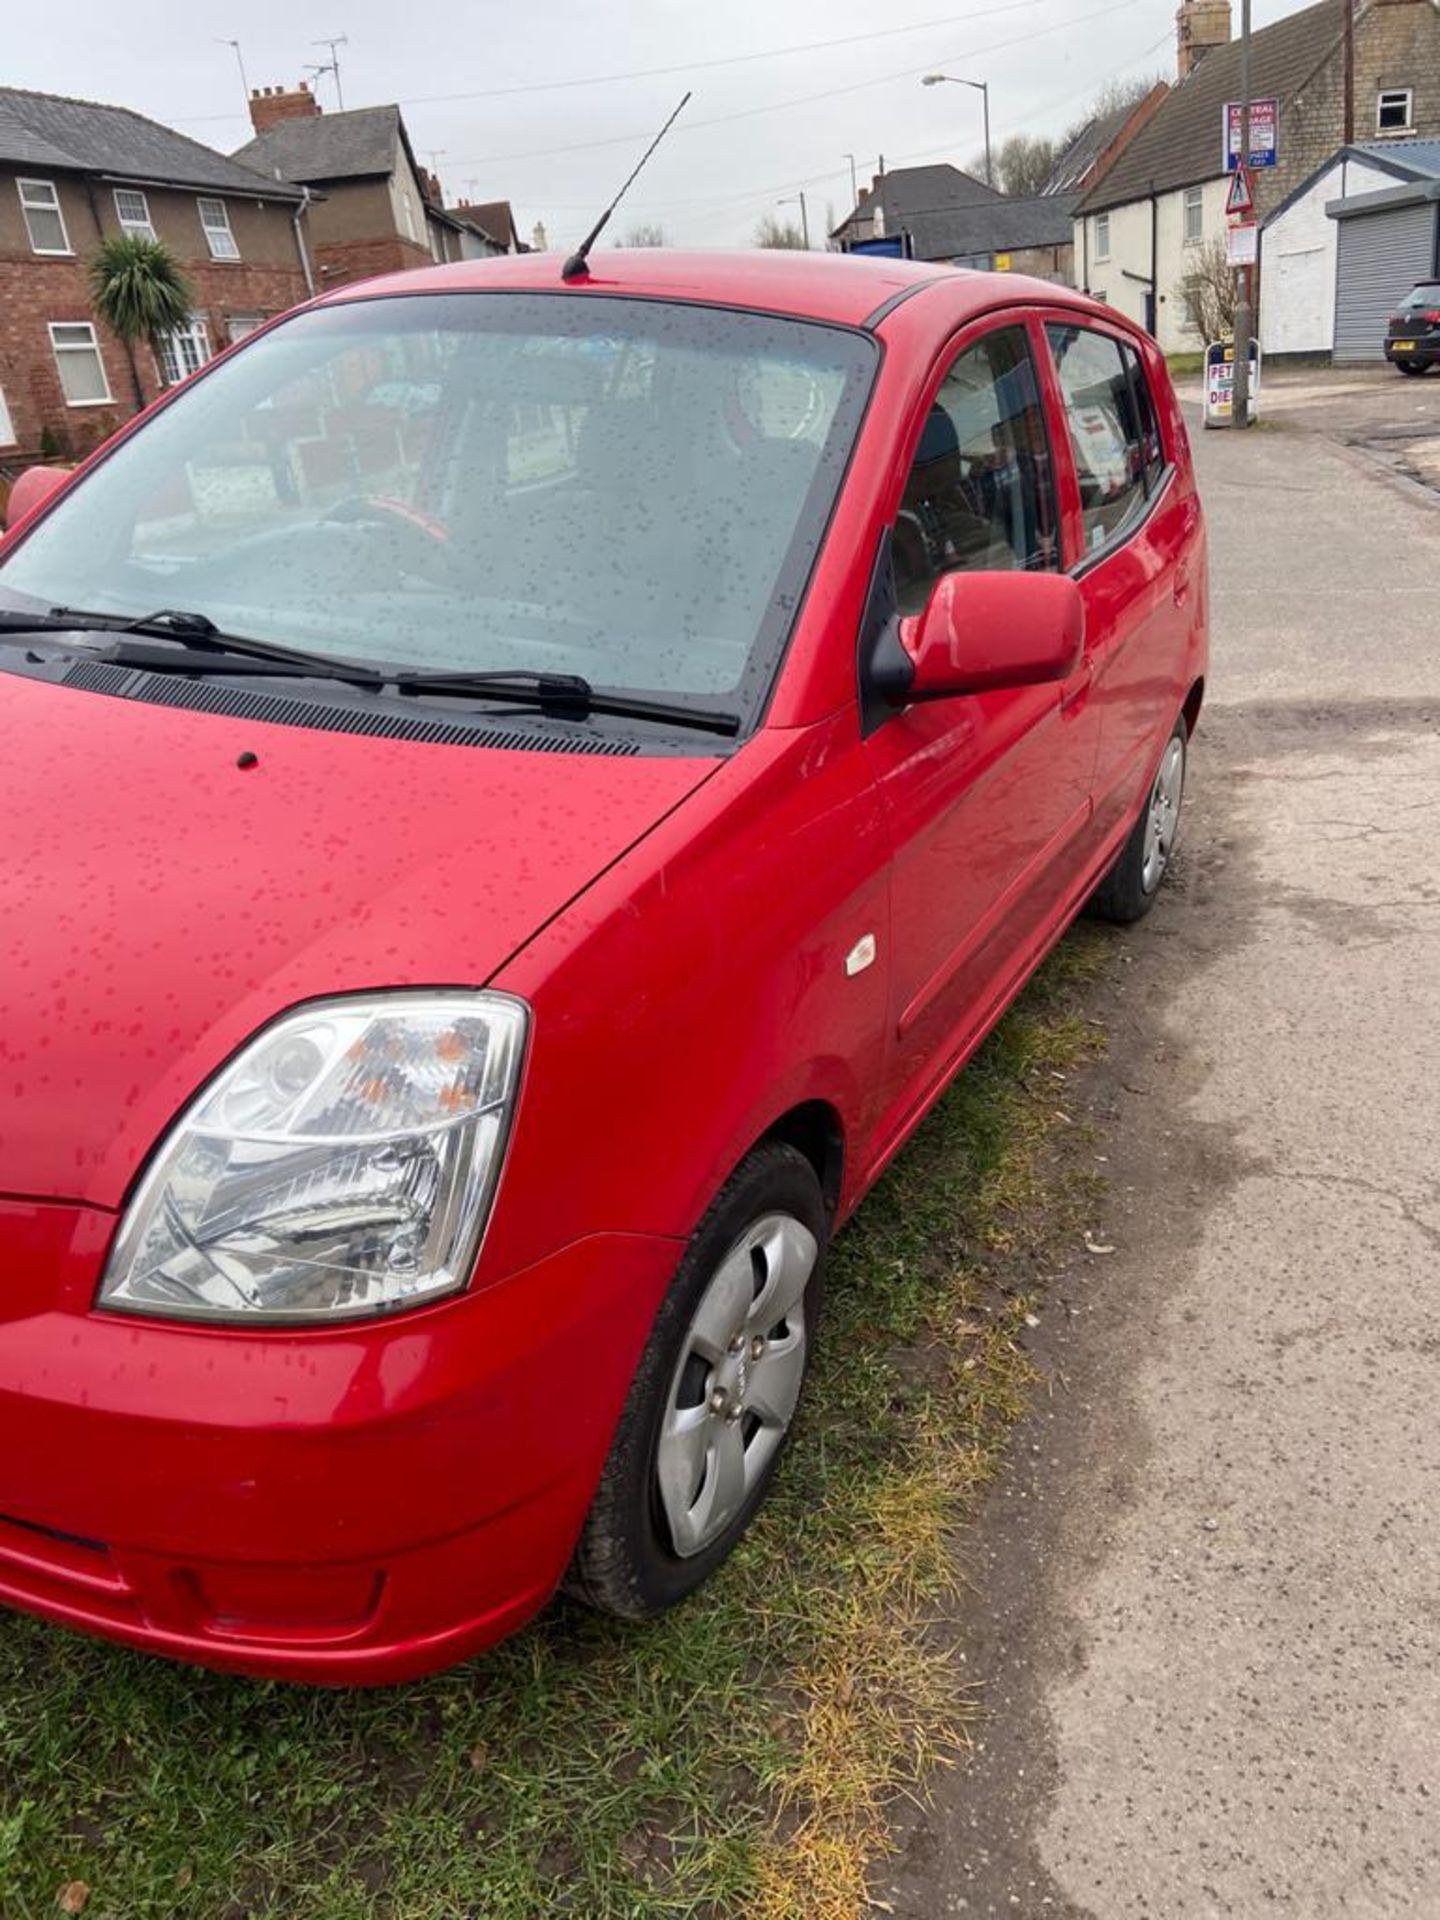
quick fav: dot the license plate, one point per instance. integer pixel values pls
(1403, 346)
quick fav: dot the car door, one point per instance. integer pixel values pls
(984, 794)
(1136, 529)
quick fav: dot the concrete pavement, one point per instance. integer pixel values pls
(1208, 1618)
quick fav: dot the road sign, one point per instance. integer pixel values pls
(1002, 263)
(1264, 133)
(1241, 197)
(1242, 244)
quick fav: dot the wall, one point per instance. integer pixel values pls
(38, 289)
(353, 235)
(1298, 248)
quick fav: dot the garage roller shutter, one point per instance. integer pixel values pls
(1381, 256)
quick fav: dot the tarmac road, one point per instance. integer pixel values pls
(1208, 1596)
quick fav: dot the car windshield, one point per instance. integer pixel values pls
(1427, 294)
(628, 490)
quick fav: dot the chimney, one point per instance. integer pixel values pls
(1200, 25)
(270, 105)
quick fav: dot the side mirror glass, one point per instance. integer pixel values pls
(983, 631)
(31, 491)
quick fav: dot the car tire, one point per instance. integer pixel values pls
(706, 1420)
(1128, 890)
(1408, 366)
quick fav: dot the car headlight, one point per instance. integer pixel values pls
(342, 1164)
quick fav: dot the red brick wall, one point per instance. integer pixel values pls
(35, 291)
(337, 262)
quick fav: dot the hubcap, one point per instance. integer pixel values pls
(1163, 818)
(735, 1389)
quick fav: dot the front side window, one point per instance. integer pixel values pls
(44, 222)
(980, 493)
(78, 362)
(1102, 236)
(1106, 436)
(184, 351)
(215, 219)
(1194, 216)
(627, 490)
(1394, 110)
(132, 210)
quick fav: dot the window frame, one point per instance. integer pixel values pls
(65, 252)
(107, 399)
(1082, 558)
(1102, 248)
(127, 222)
(1403, 95)
(1193, 203)
(196, 326)
(960, 342)
(7, 423)
(211, 229)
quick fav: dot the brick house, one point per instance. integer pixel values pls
(73, 172)
(1143, 224)
(376, 210)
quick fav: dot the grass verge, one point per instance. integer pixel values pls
(733, 1759)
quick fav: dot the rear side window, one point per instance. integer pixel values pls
(1116, 454)
(980, 494)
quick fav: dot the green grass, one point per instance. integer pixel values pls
(1181, 364)
(733, 1759)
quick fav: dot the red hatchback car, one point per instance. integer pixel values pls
(519, 794)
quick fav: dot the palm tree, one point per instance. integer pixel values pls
(140, 293)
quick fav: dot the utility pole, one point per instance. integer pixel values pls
(1349, 122)
(789, 201)
(854, 185)
(1244, 315)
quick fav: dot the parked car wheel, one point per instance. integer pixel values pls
(1412, 367)
(712, 1402)
(1128, 891)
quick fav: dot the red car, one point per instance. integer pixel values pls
(518, 795)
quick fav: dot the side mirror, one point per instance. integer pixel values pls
(31, 491)
(982, 631)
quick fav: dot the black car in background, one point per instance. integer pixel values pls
(1413, 342)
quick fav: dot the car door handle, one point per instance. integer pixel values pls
(1077, 686)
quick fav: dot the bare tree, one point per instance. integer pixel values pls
(1207, 293)
(1113, 97)
(645, 233)
(1024, 163)
(779, 233)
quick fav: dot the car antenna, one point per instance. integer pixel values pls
(578, 265)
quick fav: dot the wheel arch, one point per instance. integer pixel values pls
(815, 1129)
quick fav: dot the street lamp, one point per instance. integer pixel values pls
(981, 87)
(789, 201)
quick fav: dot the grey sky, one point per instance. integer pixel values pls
(543, 150)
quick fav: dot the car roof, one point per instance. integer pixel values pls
(845, 288)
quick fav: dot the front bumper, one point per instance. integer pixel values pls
(348, 1506)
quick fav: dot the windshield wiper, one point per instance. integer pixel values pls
(193, 633)
(564, 694)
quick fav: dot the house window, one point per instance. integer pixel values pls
(408, 207)
(240, 326)
(132, 210)
(183, 351)
(1194, 216)
(1394, 110)
(78, 362)
(215, 219)
(1102, 236)
(7, 431)
(43, 219)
